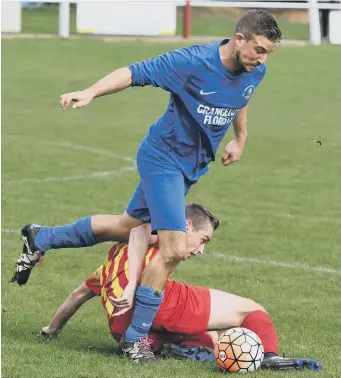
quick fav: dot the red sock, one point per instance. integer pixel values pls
(260, 323)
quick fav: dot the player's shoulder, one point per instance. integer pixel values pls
(199, 52)
(203, 50)
(260, 70)
(204, 47)
(191, 57)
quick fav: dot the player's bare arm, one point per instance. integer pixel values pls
(139, 240)
(234, 149)
(114, 82)
(64, 313)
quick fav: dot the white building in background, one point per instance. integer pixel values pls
(10, 16)
(140, 17)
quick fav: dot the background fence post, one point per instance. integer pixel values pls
(187, 19)
(314, 23)
(64, 19)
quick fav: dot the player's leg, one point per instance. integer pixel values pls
(228, 310)
(172, 250)
(107, 227)
(164, 189)
(205, 309)
(83, 233)
(214, 335)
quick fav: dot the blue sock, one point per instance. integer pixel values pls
(75, 235)
(147, 304)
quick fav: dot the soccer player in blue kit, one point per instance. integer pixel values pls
(210, 86)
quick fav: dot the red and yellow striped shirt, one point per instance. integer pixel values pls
(185, 308)
(114, 275)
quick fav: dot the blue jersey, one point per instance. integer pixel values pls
(205, 98)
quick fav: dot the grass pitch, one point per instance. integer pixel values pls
(279, 205)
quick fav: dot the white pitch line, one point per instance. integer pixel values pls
(95, 151)
(223, 256)
(95, 175)
(10, 231)
(298, 266)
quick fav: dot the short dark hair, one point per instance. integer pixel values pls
(259, 22)
(199, 216)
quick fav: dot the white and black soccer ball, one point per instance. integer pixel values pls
(239, 350)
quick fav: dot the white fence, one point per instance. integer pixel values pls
(312, 6)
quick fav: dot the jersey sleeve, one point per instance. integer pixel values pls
(168, 71)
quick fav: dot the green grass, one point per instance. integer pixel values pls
(205, 22)
(281, 202)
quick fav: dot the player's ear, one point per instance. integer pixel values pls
(189, 224)
(239, 39)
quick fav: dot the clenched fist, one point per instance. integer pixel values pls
(233, 152)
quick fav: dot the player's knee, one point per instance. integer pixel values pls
(172, 256)
(180, 253)
(173, 247)
(252, 306)
(261, 308)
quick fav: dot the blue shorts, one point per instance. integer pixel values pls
(160, 195)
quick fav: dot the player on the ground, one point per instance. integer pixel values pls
(210, 87)
(186, 323)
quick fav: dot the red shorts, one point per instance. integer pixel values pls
(93, 282)
(182, 318)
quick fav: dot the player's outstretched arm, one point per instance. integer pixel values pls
(65, 312)
(234, 150)
(139, 239)
(114, 82)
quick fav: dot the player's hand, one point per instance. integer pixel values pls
(80, 98)
(233, 152)
(126, 301)
(49, 333)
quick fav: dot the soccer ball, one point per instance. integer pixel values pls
(239, 350)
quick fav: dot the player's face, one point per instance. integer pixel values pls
(197, 238)
(251, 53)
